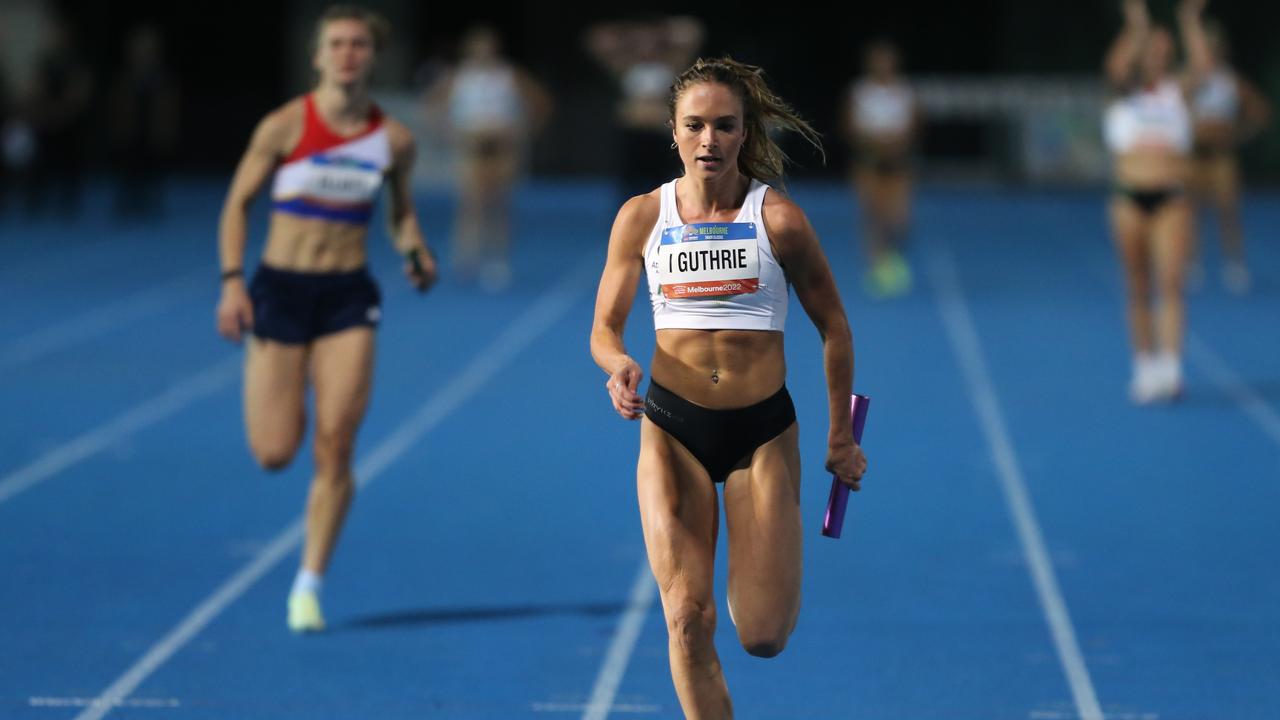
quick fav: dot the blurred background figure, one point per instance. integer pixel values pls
(144, 102)
(1148, 128)
(8, 126)
(492, 109)
(57, 110)
(643, 57)
(1228, 111)
(881, 122)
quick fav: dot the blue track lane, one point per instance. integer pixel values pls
(484, 571)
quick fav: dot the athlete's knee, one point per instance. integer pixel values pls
(334, 445)
(1171, 285)
(273, 456)
(692, 625)
(1138, 288)
(764, 642)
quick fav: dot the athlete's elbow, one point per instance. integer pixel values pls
(837, 333)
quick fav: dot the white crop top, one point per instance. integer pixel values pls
(1217, 98)
(882, 109)
(485, 98)
(1149, 118)
(715, 276)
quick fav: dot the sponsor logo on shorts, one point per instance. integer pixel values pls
(374, 313)
(648, 401)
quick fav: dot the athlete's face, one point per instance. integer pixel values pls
(345, 52)
(709, 129)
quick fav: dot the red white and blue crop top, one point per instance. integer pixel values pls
(331, 177)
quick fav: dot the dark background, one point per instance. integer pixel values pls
(233, 65)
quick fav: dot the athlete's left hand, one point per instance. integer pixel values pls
(846, 461)
(624, 389)
(420, 268)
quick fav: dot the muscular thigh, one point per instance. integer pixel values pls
(274, 394)
(1224, 181)
(898, 192)
(1130, 227)
(679, 510)
(1171, 232)
(342, 374)
(762, 514)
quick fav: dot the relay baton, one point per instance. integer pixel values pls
(415, 258)
(833, 521)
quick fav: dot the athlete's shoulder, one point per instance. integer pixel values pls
(398, 135)
(280, 129)
(290, 114)
(635, 221)
(783, 217)
(641, 210)
(404, 150)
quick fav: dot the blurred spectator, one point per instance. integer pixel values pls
(1227, 110)
(881, 122)
(144, 105)
(6, 115)
(492, 109)
(644, 57)
(57, 111)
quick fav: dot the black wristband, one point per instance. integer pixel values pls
(228, 274)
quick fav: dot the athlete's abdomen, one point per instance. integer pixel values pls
(720, 368)
(305, 244)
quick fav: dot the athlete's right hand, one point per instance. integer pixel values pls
(846, 461)
(623, 386)
(235, 311)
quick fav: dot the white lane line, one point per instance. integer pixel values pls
(619, 708)
(643, 590)
(502, 351)
(964, 341)
(1250, 402)
(60, 702)
(1198, 351)
(206, 382)
(1071, 715)
(100, 321)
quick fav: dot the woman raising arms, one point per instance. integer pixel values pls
(1148, 129)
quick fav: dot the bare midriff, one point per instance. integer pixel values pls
(720, 369)
(1151, 169)
(314, 245)
(1218, 135)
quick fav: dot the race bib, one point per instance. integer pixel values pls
(709, 260)
(342, 179)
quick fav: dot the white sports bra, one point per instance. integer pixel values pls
(882, 109)
(1218, 98)
(485, 98)
(1150, 118)
(715, 276)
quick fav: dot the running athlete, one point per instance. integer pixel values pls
(493, 107)
(1148, 129)
(881, 123)
(1227, 110)
(721, 249)
(312, 307)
